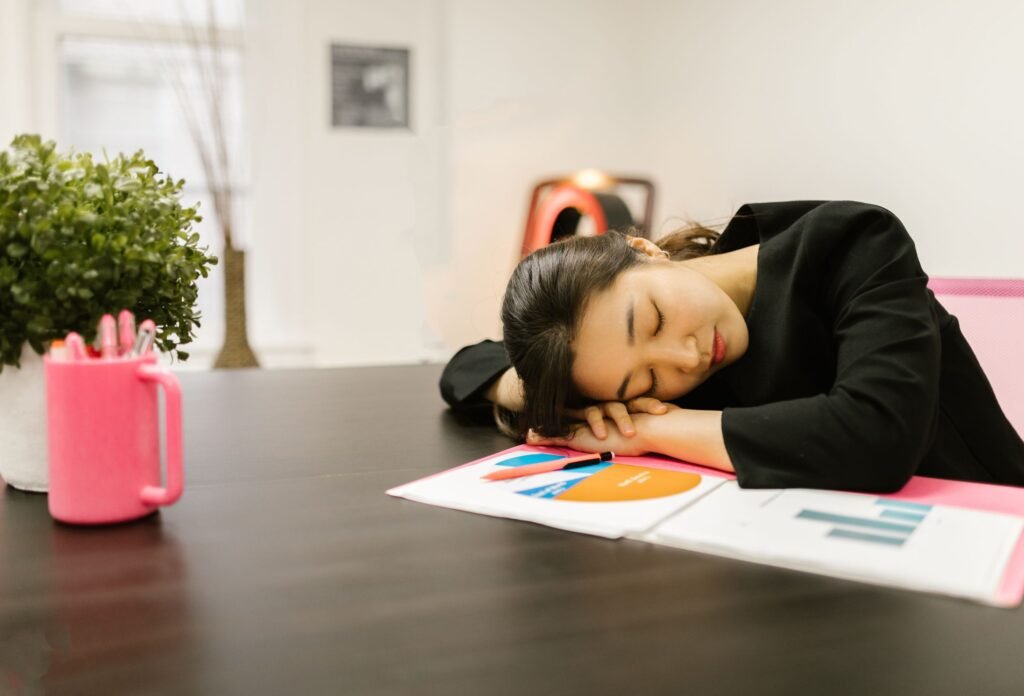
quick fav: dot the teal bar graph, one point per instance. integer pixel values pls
(895, 522)
(904, 505)
(861, 536)
(900, 515)
(857, 521)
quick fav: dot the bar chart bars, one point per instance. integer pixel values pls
(890, 522)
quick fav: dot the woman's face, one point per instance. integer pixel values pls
(659, 330)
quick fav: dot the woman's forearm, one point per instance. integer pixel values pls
(506, 391)
(691, 435)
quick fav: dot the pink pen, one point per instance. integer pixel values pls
(547, 467)
(108, 337)
(126, 332)
(75, 346)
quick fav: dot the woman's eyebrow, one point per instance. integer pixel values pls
(629, 323)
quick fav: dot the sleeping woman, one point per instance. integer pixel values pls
(800, 347)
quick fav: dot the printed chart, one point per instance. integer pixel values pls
(893, 524)
(600, 483)
(935, 548)
(609, 499)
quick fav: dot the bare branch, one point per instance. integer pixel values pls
(173, 73)
(221, 185)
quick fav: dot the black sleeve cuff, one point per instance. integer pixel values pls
(471, 371)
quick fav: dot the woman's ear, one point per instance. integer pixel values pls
(647, 247)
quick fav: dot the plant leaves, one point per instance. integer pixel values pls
(80, 238)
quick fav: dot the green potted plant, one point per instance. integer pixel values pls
(78, 239)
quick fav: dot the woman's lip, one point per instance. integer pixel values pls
(718, 353)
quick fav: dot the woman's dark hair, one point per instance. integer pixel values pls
(543, 304)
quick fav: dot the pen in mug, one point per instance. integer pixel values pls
(108, 337)
(75, 346)
(126, 332)
(58, 351)
(144, 341)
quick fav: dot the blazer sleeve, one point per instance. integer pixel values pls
(871, 430)
(471, 371)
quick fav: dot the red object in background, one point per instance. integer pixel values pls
(556, 203)
(556, 206)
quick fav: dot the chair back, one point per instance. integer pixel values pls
(558, 214)
(991, 316)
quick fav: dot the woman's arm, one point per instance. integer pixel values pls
(687, 434)
(506, 391)
(691, 435)
(871, 428)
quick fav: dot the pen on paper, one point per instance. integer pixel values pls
(546, 467)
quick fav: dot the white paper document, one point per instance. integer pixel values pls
(933, 548)
(609, 499)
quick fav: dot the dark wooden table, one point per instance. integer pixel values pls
(285, 569)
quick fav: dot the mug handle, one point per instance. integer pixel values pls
(155, 495)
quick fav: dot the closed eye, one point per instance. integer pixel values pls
(661, 318)
(654, 385)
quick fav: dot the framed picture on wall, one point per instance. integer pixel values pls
(369, 87)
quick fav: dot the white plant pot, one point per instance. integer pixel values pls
(23, 458)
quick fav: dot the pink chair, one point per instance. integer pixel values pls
(991, 315)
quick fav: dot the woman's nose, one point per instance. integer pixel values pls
(684, 355)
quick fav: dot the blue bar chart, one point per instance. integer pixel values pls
(895, 521)
(922, 546)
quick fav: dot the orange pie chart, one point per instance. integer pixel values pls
(625, 482)
(618, 483)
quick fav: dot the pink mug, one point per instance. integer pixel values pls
(104, 438)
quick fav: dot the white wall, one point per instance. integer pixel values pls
(384, 246)
(15, 70)
(917, 106)
(535, 89)
(409, 236)
(278, 248)
(372, 201)
(914, 105)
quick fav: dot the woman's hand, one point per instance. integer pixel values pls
(619, 414)
(582, 438)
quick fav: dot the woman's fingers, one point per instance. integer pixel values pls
(595, 419)
(618, 413)
(645, 404)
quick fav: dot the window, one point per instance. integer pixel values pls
(133, 75)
